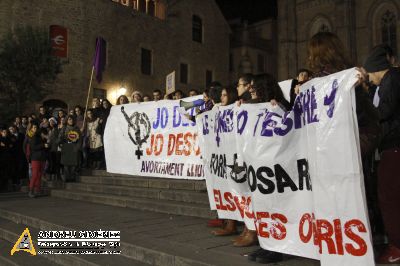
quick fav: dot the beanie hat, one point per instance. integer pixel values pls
(53, 119)
(377, 60)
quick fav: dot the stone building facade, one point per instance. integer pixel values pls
(252, 48)
(145, 40)
(360, 24)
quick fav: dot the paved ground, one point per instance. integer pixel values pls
(147, 237)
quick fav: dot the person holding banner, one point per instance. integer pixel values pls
(228, 96)
(157, 95)
(382, 74)
(146, 98)
(211, 97)
(179, 95)
(327, 56)
(193, 92)
(246, 94)
(243, 87)
(122, 99)
(136, 97)
(263, 88)
(303, 75)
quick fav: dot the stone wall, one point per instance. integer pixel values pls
(352, 20)
(126, 32)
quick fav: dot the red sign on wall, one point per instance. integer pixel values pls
(59, 40)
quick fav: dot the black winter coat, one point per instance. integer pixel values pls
(70, 150)
(389, 109)
(5, 150)
(37, 150)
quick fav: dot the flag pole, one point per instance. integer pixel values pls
(87, 98)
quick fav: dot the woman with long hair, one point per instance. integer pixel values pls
(95, 142)
(326, 54)
(265, 88)
(37, 158)
(228, 96)
(122, 100)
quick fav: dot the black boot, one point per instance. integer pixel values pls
(267, 256)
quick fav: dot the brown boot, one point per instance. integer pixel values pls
(229, 229)
(241, 235)
(249, 239)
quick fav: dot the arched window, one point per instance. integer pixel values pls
(197, 29)
(383, 17)
(388, 30)
(319, 24)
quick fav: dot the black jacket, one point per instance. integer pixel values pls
(37, 150)
(17, 142)
(70, 149)
(5, 150)
(389, 109)
(292, 94)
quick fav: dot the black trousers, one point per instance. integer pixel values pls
(70, 173)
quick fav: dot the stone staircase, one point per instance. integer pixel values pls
(172, 196)
(162, 222)
(147, 238)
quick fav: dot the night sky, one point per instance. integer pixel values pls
(250, 10)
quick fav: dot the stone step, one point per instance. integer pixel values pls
(150, 193)
(19, 258)
(163, 206)
(10, 232)
(93, 172)
(148, 237)
(45, 191)
(145, 182)
(19, 194)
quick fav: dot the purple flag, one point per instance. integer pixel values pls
(99, 61)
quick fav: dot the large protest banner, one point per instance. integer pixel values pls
(152, 139)
(296, 175)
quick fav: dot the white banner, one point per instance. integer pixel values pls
(152, 139)
(295, 176)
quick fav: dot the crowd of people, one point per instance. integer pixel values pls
(58, 145)
(53, 145)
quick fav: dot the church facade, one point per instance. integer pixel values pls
(360, 24)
